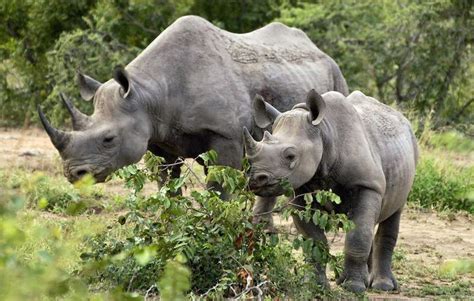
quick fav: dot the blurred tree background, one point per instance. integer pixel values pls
(416, 54)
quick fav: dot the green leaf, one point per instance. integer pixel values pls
(145, 255)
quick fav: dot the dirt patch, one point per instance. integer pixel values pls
(426, 239)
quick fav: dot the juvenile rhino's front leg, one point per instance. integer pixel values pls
(364, 214)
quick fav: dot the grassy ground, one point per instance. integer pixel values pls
(432, 244)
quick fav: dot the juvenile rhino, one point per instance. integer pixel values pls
(188, 92)
(361, 149)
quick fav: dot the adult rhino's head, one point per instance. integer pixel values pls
(294, 150)
(115, 135)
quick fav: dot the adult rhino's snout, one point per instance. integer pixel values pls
(76, 174)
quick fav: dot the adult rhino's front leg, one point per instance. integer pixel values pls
(229, 153)
(262, 212)
(364, 213)
(173, 171)
(312, 231)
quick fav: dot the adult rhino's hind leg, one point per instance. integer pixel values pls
(262, 212)
(381, 276)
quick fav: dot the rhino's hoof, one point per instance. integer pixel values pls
(268, 227)
(385, 284)
(354, 286)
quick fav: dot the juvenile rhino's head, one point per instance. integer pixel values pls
(294, 150)
(115, 135)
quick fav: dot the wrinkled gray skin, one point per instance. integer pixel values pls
(191, 91)
(361, 149)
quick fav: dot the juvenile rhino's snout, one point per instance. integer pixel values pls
(258, 180)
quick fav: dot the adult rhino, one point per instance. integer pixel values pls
(361, 149)
(188, 92)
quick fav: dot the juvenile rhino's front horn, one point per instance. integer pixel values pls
(79, 119)
(251, 146)
(59, 138)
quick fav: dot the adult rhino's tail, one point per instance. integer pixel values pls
(415, 147)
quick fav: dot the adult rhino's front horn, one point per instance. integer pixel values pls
(79, 120)
(59, 138)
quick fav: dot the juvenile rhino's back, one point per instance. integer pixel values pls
(391, 139)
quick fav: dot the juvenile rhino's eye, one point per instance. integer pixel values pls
(289, 154)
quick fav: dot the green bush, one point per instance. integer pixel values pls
(52, 193)
(452, 141)
(226, 255)
(442, 187)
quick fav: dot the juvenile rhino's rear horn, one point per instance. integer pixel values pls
(59, 138)
(79, 120)
(251, 146)
(267, 136)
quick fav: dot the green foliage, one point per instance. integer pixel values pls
(417, 54)
(215, 240)
(52, 193)
(175, 282)
(452, 268)
(40, 275)
(452, 141)
(442, 187)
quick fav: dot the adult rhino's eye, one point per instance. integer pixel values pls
(109, 139)
(290, 157)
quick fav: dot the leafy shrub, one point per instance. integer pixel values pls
(452, 141)
(442, 186)
(226, 254)
(53, 193)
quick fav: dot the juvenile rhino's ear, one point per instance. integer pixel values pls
(316, 105)
(263, 112)
(87, 85)
(121, 76)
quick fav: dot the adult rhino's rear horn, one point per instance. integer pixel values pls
(59, 138)
(79, 120)
(251, 146)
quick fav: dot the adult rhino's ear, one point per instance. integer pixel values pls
(316, 106)
(264, 113)
(121, 76)
(87, 85)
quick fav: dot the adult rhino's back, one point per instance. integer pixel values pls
(275, 61)
(392, 141)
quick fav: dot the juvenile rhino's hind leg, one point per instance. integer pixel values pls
(262, 212)
(355, 276)
(381, 276)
